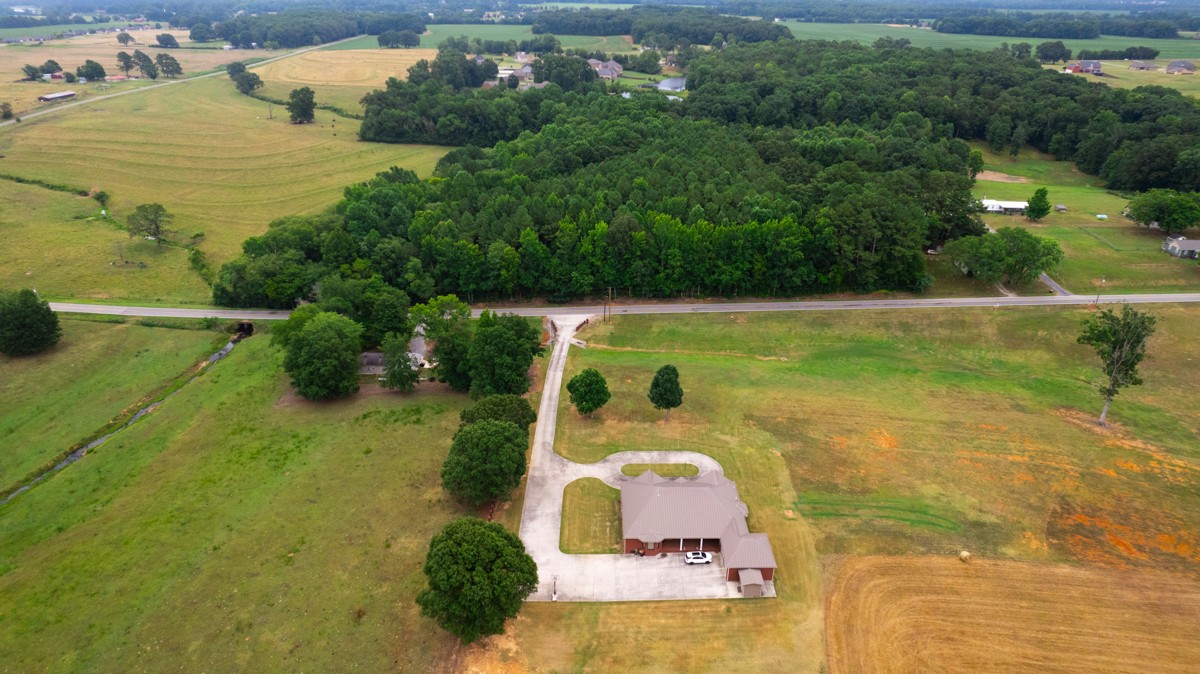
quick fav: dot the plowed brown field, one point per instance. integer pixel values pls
(925, 614)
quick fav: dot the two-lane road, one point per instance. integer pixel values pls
(686, 308)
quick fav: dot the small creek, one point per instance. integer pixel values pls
(79, 453)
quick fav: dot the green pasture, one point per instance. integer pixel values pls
(51, 401)
(235, 530)
(211, 156)
(1118, 74)
(438, 33)
(920, 37)
(1111, 256)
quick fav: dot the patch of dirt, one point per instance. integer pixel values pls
(918, 614)
(493, 655)
(998, 177)
(884, 440)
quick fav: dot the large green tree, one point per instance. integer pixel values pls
(479, 574)
(501, 354)
(1038, 206)
(323, 358)
(503, 407)
(440, 314)
(401, 370)
(125, 62)
(665, 391)
(201, 32)
(27, 324)
(150, 220)
(168, 65)
(452, 353)
(247, 82)
(1172, 211)
(486, 461)
(589, 391)
(145, 64)
(91, 70)
(125, 38)
(302, 105)
(1012, 255)
(283, 332)
(1120, 342)
(167, 41)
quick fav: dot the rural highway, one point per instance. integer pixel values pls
(86, 101)
(687, 308)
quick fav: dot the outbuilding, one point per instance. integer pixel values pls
(997, 207)
(56, 96)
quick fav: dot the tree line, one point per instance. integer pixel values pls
(302, 27)
(1059, 25)
(665, 26)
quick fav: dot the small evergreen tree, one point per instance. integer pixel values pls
(665, 391)
(27, 324)
(1039, 205)
(589, 391)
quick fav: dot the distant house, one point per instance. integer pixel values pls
(522, 57)
(607, 73)
(997, 207)
(1181, 68)
(595, 63)
(1142, 65)
(1072, 68)
(488, 84)
(525, 72)
(1180, 246)
(57, 96)
(661, 514)
(1093, 67)
(614, 66)
(370, 362)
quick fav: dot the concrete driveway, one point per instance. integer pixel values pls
(564, 577)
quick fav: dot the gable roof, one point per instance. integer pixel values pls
(1182, 64)
(655, 508)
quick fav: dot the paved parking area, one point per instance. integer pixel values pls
(564, 577)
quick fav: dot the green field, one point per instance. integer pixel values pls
(591, 521)
(869, 32)
(232, 530)
(47, 31)
(51, 401)
(889, 432)
(1111, 256)
(438, 33)
(208, 154)
(1118, 74)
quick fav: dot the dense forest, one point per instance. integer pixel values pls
(1057, 25)
(299, 28)
(664, 26)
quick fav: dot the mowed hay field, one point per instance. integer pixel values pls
(339, 77)
(209, 155)
(923, 614)
(58, 243)
(438, 33)
(1110, 256)
(53, 400)
(1118, 74)
(70, 53)
(233, 531)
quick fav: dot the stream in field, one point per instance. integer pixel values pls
(79, 453)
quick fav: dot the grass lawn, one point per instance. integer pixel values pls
(663, 469)
(53, 400)
(209, 155)
(1113, 255)
(591, 521)
(231, 531)
(869, 32)
(889, 432)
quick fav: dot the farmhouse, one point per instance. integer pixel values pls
(57, 96)
(1181, 68)
(1182, 247)
(1142, 65)
(1092, 67)
(699, 513)
(1004, 207)
(607, 70)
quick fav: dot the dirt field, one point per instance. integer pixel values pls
(923, 614)
(998, 177)
(340, 78)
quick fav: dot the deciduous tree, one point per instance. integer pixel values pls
(302, 105)
(401, 369)
(502, 407)
(201, 32)
(234, 69)
(1172, 211)
(1120, 341)
(589, 391)
(323, 358)
(486, 461)
(247, 82)
(665, 391)
(501, 353)
(167, 41)
(91, 70)
(409, 38)
(125, 62)
(478, 574)
(149, 220)
(125, 38)
(145, 64)
(32, 73)
(27, 324)
(168, 65)
(452, 351)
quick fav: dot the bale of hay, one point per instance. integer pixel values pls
(964, 556)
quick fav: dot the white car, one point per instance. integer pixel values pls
(697, 558)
